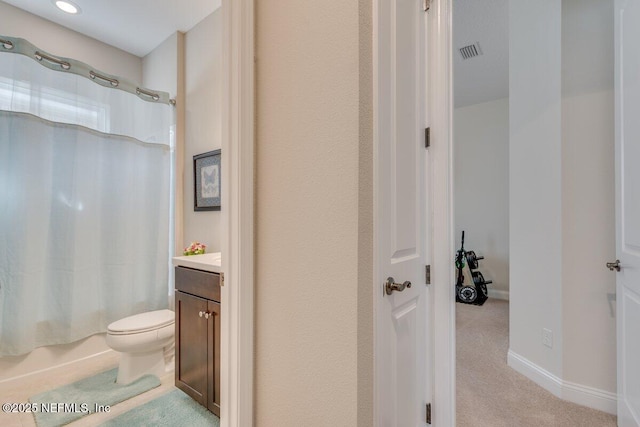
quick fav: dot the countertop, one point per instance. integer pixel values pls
(206, 262)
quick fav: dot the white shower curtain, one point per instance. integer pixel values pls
(84, 205)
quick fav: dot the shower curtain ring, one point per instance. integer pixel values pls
(7, 44)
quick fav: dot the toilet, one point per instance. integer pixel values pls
(146, 341)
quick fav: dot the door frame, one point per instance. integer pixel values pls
(439, 106)
(442, 272)
(236, 355)
(237, 358)
(444, 314)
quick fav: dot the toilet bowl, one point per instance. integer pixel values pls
(146, 341)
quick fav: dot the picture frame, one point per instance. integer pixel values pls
(206, 181)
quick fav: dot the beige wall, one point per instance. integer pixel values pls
(160, 66)
(365, 220)
(58, 40)
(203, 77)
(313, 216)
(198, 52)
(202, 115)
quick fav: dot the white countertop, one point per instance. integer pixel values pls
(207, 262)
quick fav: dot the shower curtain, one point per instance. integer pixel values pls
(84, 203)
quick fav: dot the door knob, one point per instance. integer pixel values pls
(614, 265)
(390, 286)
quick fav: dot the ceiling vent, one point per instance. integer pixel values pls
(470, 51)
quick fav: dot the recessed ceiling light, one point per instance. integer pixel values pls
(67, 6)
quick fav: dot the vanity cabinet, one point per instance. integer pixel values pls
(198, 335)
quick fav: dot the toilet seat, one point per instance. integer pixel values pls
(143, 322)
(146, 343)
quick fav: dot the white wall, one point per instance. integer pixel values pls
(535, 162)
(588, 235)
(203, 51)
(307, 213)
(60, 41)
(481, 182)
(562, 197)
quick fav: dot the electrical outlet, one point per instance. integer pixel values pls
(547, 337)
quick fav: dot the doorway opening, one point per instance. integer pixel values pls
(533, 136)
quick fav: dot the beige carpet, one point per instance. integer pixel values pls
(491, 394)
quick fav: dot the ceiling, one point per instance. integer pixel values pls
(139, 26)
(135, 26)
(486, 77)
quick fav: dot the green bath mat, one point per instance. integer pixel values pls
(173, 409)
(68, 403)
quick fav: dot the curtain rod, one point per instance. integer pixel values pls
(23, 47)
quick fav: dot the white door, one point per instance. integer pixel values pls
(400, 219)
(627, 76)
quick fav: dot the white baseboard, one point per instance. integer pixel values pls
(497, 294)
(538, 375)
(582, 395)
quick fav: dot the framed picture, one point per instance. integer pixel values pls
(206, 181)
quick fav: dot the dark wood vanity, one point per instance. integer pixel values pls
(198, 335)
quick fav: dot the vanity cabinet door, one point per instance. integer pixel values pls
(213, 342)
(192, 329)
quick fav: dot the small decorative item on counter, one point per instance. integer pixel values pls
(195, 248)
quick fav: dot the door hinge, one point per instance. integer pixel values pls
(427, 274)
(428, 413)
(427, 137)
(426, 4)
(221, 279)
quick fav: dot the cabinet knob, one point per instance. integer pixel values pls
(206, 315)
(201, 314)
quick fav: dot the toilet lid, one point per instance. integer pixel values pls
(143, 322)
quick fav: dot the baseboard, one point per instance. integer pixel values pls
(497, 294)
(538, 375)
(592, 397)
(576, 393)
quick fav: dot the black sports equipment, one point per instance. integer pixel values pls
(471, 286)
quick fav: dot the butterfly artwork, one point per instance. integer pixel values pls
(207, 178)
(206, 171)
(210, 181)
